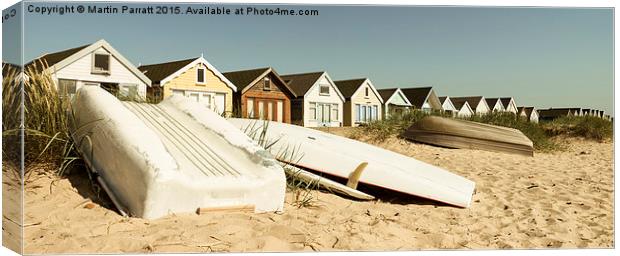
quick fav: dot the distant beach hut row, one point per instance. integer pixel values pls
(553, 113)
(310, 99)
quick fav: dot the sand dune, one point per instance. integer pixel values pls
(553, 200)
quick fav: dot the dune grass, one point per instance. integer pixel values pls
(45, 126)
(393, 125)
(533, 131)
(540, 134)
(588, 127)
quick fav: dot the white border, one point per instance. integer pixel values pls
(537, 3)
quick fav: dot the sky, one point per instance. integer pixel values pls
(543, 57)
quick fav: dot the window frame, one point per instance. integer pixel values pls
(312, 107)
(334, 110)
(249, 108)
(266, 84)
(321, 86)
(204, 75)
(95, 70)
(129, 90)
(62, 91)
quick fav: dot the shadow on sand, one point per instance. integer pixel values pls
(80, 180)
(384, 194)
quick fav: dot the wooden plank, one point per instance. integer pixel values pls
(226, 209)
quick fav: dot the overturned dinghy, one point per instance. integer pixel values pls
(173, 157)
(335, 155)
(454, 133)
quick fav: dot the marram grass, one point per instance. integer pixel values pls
(540, 134)
(45, 125)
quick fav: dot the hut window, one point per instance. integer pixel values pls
(375, 112)
(250, 107)
(366, 91)
(101, 63)
(312, 111)
(266, 84)
(324, 90)
(129, 90)
(334, 112)
(200, 76)
(66, 87)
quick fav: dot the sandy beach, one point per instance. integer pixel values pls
(562, 199)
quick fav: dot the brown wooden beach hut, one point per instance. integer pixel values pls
(261, 94)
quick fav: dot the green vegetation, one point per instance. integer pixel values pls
(533, 131)
(588, 127)
(540, 133)
(46, 137)
(393, 125)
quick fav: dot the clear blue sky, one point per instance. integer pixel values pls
(544, 57)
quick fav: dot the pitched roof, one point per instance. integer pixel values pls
(301, 83)
(458, 104)
(159, 71)
(505, 101)
(61, 59)
(527, 110)
(52, 58)
(417, 95)
(442, 99)
(492, 101)
(553, 112)
(349, 87)
(244, 78)
(472, 100)
(386, 94)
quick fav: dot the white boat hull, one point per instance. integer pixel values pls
(339, 156)
(173, 157)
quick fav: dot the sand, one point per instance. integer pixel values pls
(552, 200)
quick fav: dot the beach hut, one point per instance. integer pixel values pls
(448, 106)
(96, 64)
(318, 102)
(423, 98)
(495, 104)
(601, 113)
(477, 103)
(362, 104)
(194, 78)
(463, 108)
(576, 111)
(394, 101)
(521, 112)
(528, 113)
(553, 113)
(586, 112)
(509, 104)
(261, 94)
